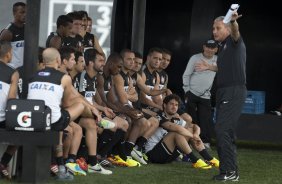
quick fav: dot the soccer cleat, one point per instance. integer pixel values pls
(63, 175)
(200, 164)
(75, 169)
(82, 164)
(132, 163)
(213, 162)
(106, 124)
(228, 176)
(98, 169)
(4, 172)
(138, 156)
(104, 162)
(145, 157)
(116, 160)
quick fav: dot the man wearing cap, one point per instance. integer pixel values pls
(197, 84)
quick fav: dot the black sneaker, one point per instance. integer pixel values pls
(104, 162)
(228, 176)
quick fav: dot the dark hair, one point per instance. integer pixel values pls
(138, 55)
(40, 51)
(154, 49)
(113, 59)
(63, 20)
(66, 52)
(16, 5)
(89, 18)
(166, 51)
(123, 51)
(171, 97)
(5, 47)
(75, 15)
(83, 13)
(90, 55)
(77, 54)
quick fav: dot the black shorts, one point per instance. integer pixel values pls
(3, 124)
(63, 122)
(161, 154)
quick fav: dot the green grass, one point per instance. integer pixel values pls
(256, 167)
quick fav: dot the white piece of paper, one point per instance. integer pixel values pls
(233, 8)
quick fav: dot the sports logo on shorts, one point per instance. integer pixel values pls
(24, 119)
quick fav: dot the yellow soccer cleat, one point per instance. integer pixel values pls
(132, 163)
(200, 164)
(116, 160)
(214, 162)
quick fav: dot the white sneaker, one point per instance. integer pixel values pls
(98, 169)
(106, 124)
(138, 156)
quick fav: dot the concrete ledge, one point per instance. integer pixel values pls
(36, 153)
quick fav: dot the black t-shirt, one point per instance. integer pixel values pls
(231, 63)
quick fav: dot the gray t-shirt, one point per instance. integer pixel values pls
(199, 83)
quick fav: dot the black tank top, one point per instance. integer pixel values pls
(107, 83)
(51, 36)
(163, 78)
(75, 42)
(88, 40)
(125, 79)
(89, 86)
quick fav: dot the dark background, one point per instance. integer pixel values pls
(182, 28)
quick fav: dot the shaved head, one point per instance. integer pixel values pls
(50, 55)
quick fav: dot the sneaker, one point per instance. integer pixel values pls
(145, 157)
(131, 162)
(116, 160)
(104, 162)
(54, 169)
(138, 156)
(106, 124)
(228, 176)
(98, 169)
(213, 162)
(200, 164)
(82, 164)
(75, 169)
(4, 172)
(63, 174)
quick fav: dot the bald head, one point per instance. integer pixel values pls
(50, 56)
